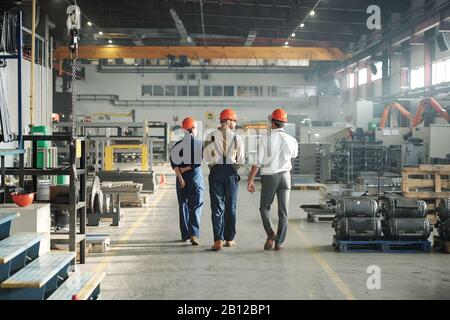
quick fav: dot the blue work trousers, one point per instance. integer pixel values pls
(223, 191)
(190, 202)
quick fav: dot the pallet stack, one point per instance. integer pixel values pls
(430, 183)
(130, 193)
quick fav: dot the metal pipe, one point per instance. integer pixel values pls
(33, 53)
(19, 77)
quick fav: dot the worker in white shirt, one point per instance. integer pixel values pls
(224, 153)
(274, 160)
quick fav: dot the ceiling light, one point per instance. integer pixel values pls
(293, 34)
(312, 12)
(100, 33)
(109, 41)
(89, 23)
(302, 25)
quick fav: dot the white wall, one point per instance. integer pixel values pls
(127, 86)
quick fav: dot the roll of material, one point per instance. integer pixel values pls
(444, 209)
(413, 229)
(405, 208)
(357, 208)
(357, 228)
(444, 230)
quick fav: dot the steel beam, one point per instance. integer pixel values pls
(149, 52)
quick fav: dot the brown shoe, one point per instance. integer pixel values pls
(278, 247)
(229, 244)
(218, 245)
(270, 242)
(194, 241)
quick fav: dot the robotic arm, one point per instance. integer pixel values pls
(389, 108)
(429, 103)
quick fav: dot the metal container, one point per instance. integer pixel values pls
(444, 209)
(407, 229)
(43, 190)
(444, 230)
(357, 228)
(405, 208)
(357, 208)
(62, 220)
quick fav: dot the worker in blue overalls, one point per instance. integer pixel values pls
(224, 153)
(186, 158)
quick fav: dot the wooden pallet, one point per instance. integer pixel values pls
(441, 245)
(308, 187)
(424, 182)
(100, 242)
(382, 246)
(65, 247)
(320, 217)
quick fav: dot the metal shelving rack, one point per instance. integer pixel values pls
(75, 206)
(14, 56)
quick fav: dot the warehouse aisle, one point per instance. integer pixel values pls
(147, 261)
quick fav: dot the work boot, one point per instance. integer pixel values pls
(279, 247)
(194, 241)
(270, 242)
(218, 245)
(230, 244)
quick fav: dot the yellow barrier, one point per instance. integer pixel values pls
(109, 155)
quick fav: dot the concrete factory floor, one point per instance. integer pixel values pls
(146, 260)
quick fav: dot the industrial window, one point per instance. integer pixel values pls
(147, 90)
(182, 91)
(379, 68)
(447, 70)
(217, 91)
(207, 91)
(170, 91)
(194, 91)
(158, 91)
(418, 78)
(351, 80)
(242, 91)
(254, 91)
(228, 91)
(441, 71)
(273, 91)
(362, 76)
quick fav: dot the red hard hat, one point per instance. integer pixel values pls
(228, 114)
(188, 123)
(279, 115)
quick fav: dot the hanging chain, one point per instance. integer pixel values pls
(74, 97)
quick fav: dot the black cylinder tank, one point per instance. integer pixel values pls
(444, 230)
(444, 209)
(405, 208)
(357, 228)
(357, 208)
(407, 229)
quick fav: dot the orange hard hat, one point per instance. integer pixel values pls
(279, 115)
(228, 114)
(188, 123)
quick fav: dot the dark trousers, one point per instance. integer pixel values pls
(190, 201)
(223, 190)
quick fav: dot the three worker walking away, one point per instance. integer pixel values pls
(224, 153)
(274, 159)
(186, 158)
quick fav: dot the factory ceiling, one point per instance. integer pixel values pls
(336, 23)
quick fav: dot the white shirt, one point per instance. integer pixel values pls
(276, 152)
(220, 140)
